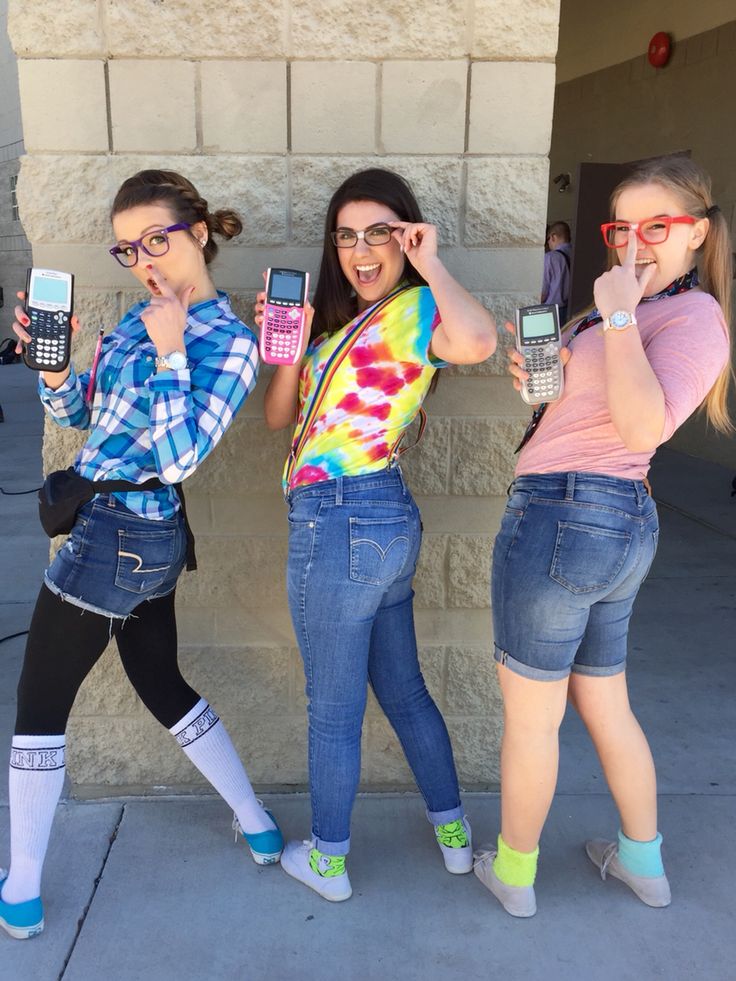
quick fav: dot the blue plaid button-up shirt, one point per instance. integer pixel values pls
(147, 424)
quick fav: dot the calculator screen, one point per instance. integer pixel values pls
(285, 286)
(44, 289)
(535, 325)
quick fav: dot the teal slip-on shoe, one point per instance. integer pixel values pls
(265, 846)
(21, 920)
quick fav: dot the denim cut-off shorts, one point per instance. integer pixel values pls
(113, 559)
(572, 551)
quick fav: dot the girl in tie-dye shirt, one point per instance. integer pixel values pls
(355, 530)
(373, 397)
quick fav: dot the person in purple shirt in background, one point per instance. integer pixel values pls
(557, 259)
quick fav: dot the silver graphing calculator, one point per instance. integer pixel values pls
(49, 305)
(538, 339)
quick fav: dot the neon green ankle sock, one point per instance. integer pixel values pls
(515, 868)
(328, 866)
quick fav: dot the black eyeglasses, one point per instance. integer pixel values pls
(154, 244)
(347, 238)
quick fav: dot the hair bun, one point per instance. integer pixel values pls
(227, 223)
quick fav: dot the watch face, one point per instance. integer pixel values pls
(620, 318)
(177, 360)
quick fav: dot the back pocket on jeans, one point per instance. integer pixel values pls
(379, 548)
(144, 559)
(588, 558)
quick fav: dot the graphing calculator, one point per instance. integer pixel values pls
(538, 340)
(284, 316)
(49, 304)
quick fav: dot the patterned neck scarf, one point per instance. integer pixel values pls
(681, 285)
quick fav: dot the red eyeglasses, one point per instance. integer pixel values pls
(651, 231)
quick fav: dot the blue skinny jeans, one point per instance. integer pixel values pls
(353, 548)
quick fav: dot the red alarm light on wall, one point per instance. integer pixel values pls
(660, 48)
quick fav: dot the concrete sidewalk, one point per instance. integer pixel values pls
(155, 888)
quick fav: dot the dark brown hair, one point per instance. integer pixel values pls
(334, 303)
(560, 229)
(182, 197)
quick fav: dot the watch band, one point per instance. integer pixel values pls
(165, 361)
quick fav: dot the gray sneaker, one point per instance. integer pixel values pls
(652, 890)
(516, 900)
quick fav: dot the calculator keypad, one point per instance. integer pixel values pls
(50, 339)
(544, 373)
(281, 339)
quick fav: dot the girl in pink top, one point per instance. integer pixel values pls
(580, 528)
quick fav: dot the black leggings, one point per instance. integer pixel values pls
(64, 644)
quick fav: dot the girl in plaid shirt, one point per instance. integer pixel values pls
(167, 385)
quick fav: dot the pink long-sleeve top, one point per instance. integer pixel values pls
(686, 342)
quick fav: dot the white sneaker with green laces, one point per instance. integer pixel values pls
(326, 874)
(456, 845)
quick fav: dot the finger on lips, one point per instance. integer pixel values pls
(158, 281)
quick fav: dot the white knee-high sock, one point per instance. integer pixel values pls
(36, 778)
(205, 741)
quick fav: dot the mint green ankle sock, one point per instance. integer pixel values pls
(515, 868)
(641, 857)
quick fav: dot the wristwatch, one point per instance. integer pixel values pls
(619, 320)
(173, 362)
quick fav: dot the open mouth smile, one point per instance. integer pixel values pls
(368, 273)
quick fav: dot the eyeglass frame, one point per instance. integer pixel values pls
(117, 250)
(361, 234)
(667, 220)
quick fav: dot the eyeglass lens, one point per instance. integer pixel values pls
(155, 244)
(346, 238)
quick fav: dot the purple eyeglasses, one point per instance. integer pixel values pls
(154, 243)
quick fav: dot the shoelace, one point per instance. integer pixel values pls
(239, 833)
(608, 855)
(236, 828)
(452, 835)
(482, 854)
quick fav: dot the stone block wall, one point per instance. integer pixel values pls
(15, 251)
(267, 106)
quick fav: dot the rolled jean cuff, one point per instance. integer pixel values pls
(446, 817)
(599, 670)
(527, 670)
(331, 847)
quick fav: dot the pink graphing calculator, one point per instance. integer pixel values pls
(284, 316)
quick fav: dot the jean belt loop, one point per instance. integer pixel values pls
(404, 488)
(338, 491)
(570, 492)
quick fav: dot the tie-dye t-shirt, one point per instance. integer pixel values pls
(374, 395)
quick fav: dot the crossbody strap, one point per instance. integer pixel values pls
(330, 370)
(118, 486)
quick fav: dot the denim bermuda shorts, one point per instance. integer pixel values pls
(572, 551)
(113, 559)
